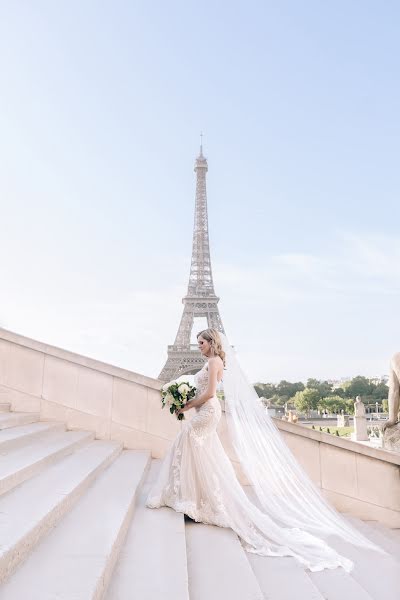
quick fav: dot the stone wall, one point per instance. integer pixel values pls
(353, 476)
(84, 393)
(123, 405)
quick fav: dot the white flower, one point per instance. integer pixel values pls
(169, 399)
(183, 389)
(166, 386)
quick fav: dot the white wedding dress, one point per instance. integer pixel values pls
(197, 478)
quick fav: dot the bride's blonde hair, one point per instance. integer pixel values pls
(213, 338)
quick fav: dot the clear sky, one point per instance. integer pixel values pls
(101, 106)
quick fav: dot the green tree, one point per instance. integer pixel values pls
(312, 383)
(349, 406)
(358, 386)
(381, 392)
(278, 400)
(265, 389)
(334, 404)
(288, 389)
(339, 391)
(323, 387)
(306, 400)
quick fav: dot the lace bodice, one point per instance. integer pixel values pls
(201, 380)
(209, 413)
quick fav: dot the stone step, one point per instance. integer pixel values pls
(378, 536)
(393, 534)
(14, 437)
(337, 584)
(21, 463)
(5, 406)
(217, 565)
(30, 510)
(143, 569)
(279, 576)
(332, 584)
(13, 419)
(76, 559)
(272, 571)
(377, 574)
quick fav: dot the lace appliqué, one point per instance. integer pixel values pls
(201, 425)
(176, 469)
(204, 423)
(210, 510)
(176, 474)
(201, 380)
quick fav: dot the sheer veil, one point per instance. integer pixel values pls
(284, 490)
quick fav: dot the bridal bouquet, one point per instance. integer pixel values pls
(175, 395)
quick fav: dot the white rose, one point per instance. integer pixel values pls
(166, 386)
(169, 399)
(183, 389)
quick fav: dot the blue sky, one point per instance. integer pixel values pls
(101, 105)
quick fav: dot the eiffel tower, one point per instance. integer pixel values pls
(200, 300)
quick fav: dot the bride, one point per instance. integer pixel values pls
(197, 477)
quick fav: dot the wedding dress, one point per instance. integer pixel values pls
(197, 478)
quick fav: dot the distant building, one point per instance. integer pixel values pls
(338, 383)
(381, 379)
(376, 380)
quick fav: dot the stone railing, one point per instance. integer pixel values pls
(84, 393)
(125, 406)
(353, 476)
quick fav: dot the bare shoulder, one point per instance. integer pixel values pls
(215, 362)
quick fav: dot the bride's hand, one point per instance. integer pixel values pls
(183, 409)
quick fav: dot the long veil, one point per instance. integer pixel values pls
(284, 490)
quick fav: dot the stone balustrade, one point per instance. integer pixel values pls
(84, 393)
(125, 406)
(355, 477)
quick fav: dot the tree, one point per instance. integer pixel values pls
(306, 400)
(349, 406)
(265, 389)
(278, 400)
(285, 388)
(358, 386)
(312, 384)
(339, 391)
(381, 392)
(334, 404)
(323, 387)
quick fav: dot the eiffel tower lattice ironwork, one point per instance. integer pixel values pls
(200, 300)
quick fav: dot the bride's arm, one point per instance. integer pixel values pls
(211, 388)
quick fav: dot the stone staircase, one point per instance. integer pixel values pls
(73, 526)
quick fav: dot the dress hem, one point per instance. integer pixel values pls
(185, 509)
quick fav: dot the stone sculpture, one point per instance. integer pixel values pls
(391, 429)
(360, 422)
(359, 408)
